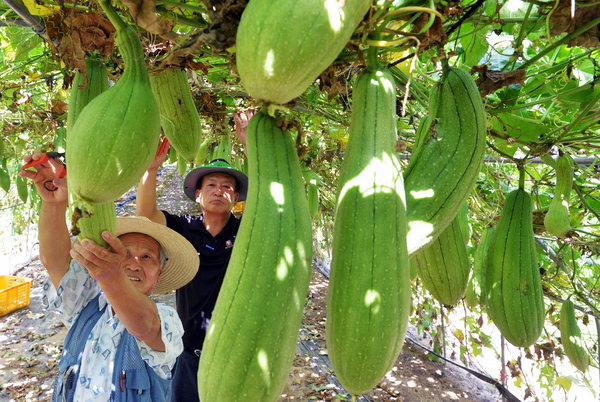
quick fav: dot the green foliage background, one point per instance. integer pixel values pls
(537, 67)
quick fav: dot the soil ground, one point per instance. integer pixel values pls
(31, 339)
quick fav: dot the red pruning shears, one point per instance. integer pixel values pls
(44, 158)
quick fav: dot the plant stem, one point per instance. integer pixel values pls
(521, 177)
(112, 15)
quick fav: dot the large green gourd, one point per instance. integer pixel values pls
(178, 114)
(369, 291)
(556, 220)
(115, 137)
(283, 46)
(515, 300)
(448, 160)
(86, 86)
(571, 337)
(443, 265)
(251, 339)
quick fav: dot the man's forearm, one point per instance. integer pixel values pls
(53, 235)
(146, 198)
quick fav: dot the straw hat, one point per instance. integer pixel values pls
(182, 258)
(193, 178)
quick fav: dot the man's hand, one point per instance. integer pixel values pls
(104, 265)
(161, 154)
(45, 177)
(241, 120)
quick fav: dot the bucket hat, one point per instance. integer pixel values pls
(193, 178)
(182, 258)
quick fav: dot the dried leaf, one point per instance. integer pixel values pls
(490, 81)
(144, 14)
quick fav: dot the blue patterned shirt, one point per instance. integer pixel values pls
(76, 289)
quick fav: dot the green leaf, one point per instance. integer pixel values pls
(525, 130)
(475, 45)
(593, 203)
(22, 188)
(4, 179)
(564, 382)
(60, 139)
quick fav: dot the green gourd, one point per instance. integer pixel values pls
(114, 138)
(369, 296)
(448, 159)
(178, 114)
(556, 220)
(86, 86)
(476, 289)
(443, 265)
(116, 135)
(571, 337)
(313, 181)
(515, 298)
(251, 340)
(200, 157)
(283, 46)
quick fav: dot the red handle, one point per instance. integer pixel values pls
(44, 158)
(35, 162)
(163, 145)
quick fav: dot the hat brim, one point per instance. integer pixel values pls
(182, 258)
(190, 184)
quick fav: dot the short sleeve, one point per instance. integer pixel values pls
(74, 292)
(171, 332)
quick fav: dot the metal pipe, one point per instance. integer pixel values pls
(34, 22)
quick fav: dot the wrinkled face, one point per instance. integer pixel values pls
(142, 265)
(217, 193)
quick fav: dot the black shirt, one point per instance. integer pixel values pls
(196, 300)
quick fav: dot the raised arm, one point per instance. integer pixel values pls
(135, 310)
(53, 233)
(145, 202)
(241, 119)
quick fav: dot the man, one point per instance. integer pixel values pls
(121, 345)
(216, 187)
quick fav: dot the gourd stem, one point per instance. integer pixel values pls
(112, 15)
(521, 177)
(372, 61)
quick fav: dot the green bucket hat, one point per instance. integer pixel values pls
(193, 178)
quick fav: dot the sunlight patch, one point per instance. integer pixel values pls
(387, 84)
(269, 62)
(277, 193)
(263, 363)
(419, 233)
(373, 300)
(379, 176)
(335, 13)
(417, 195)
(282, 270)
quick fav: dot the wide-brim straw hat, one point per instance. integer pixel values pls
(182, 258)
(190, 184)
